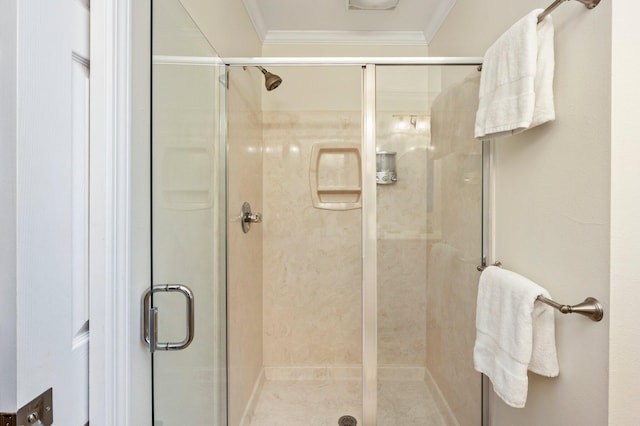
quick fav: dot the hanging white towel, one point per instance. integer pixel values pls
(516, 86)
(513, 333)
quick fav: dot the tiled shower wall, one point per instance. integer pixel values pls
(312, 257)
(244, 250)
(312, 272)
(402, 243)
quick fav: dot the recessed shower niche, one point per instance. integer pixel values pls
(335, 175)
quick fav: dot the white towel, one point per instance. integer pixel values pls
(513, 333)
(516, 86)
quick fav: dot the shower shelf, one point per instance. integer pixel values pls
(335, 175)
(330, 189)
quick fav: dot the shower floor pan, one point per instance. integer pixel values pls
(323, 402)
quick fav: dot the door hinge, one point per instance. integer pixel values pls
(39, 409)
(7, 419)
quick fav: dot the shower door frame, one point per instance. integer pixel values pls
(369, 196)
(369, 200)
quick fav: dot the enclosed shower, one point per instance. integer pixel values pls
(427, 243)
(348, 293)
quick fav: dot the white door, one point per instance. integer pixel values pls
(52, 206)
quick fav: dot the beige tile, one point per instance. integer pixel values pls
(312, 310)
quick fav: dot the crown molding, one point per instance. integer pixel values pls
(257, 20)
(437, 18)
(416, 38)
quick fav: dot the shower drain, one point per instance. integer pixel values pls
(347, 421)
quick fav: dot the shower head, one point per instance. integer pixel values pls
(271, 81)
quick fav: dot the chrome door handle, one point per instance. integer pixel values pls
(150, 326)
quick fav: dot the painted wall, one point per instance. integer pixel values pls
(552, 199)
(624, 337)
(8, 142)
(226, 25)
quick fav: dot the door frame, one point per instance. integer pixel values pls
(110, 42)
(110, 395)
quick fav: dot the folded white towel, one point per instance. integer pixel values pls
(516, 86)
(513, 333)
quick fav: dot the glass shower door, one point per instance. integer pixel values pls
(186, 319)
(429, 209)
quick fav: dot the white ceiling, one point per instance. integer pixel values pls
(330, 21)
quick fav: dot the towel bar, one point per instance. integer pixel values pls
(590, 307)
(589, 4)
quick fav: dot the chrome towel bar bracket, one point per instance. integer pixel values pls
(484, 265)
(590, 307)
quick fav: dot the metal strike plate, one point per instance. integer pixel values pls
(40, 409)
